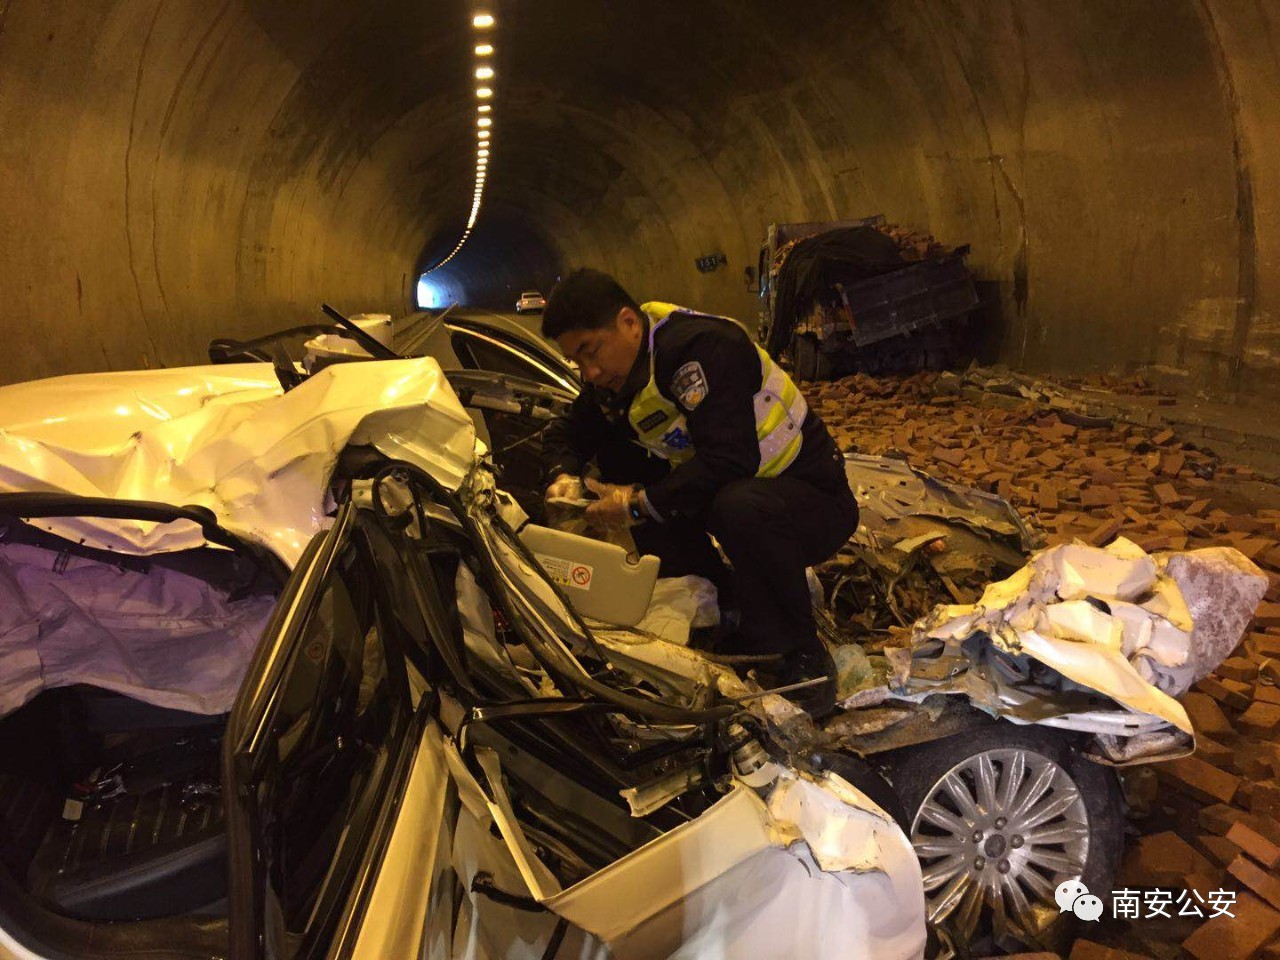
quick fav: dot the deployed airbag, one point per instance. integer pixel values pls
(161, 636)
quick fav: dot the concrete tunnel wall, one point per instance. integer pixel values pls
(171, 171)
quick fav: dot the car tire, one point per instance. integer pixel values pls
(975, 843)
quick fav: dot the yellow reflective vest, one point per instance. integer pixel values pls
(780, 408)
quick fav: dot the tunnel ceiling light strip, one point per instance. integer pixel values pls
(483, 51)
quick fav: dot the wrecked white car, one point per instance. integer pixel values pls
(994, 751)
(999, 718)
(279, 679)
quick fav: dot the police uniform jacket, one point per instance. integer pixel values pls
(710, 370)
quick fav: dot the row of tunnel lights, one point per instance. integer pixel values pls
(481, 22)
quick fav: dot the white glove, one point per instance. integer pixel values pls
(566, 487)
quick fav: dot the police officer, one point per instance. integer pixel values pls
(695, 430)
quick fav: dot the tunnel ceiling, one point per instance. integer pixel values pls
(176, 171)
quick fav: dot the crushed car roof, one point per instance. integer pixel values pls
(227, 438)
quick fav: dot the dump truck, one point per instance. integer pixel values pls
(849, 296)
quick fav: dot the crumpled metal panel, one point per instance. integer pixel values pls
(1111, 621)
(890, 489)
(226, 438)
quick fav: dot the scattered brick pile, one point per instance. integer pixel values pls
(1095, 483)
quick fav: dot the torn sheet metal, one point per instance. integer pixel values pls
(1111, 620)
(225, 438)
(891, 489)
(806, 873)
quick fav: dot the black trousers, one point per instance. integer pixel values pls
(769, 528)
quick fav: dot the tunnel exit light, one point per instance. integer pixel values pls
(431, 295)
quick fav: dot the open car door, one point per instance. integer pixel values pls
(318, 749)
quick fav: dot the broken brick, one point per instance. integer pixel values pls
(1161, 860)
(1237, 668)
(1172, 463)
(1088, 950)
(1265, 801)
(954, 457)
(1099, 497)
(1104, 532)
(1221, 850)
(1200, 779)
(1166, 493)
(1220, 818)
(1225, 695)
(1267, 615)
(1237, 937)
(1264, 884)
(1262, 719)
(1216, 753)
(1265, 851)
(1206, 716)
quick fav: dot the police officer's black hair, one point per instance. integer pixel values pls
(584, 300)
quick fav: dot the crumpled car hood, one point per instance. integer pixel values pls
(1138, 628)
(226, 438)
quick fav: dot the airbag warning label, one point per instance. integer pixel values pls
(567, 573)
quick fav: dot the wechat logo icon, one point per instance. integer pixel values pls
(1074, 897)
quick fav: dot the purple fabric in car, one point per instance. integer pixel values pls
(161, 636)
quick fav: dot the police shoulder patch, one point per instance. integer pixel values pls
(690, 385)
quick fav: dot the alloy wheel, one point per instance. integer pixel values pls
(996, 835)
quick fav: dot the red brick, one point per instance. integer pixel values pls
(1265, 885)
(1047, 496)
(1172, 463)
(1214, 752)
(1268, 615)
(1255, 845)
(1088, 950)
(1095, 496)
(1220, 817)
(1238, 937)
(1206, 716)
(1224, 693)
(1221, 850)
(1237, 668)
(1104, 532)
(1262, 719)
(1265, 801)
(1265, 645)
(1166, 493)
(1161, 860)
(1201, 779)
(953, 457)
(1266, 693)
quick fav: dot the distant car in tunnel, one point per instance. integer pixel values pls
(282, 673)
(531, 301)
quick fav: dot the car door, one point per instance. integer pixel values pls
(318, 750)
